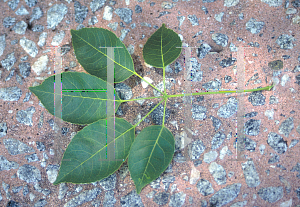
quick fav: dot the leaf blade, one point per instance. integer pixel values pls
(150, 155)
(80, 163)
(160, 49)
(86, 43)
(77, 107)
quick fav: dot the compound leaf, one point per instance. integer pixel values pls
(87, 42)
(78, 106)
(160, 49)
(83, 159)
(150, 154)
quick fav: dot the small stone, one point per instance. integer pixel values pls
(205, 187)
(271, 194)
(42, 39)
(125, 14)
(7, 165)
(2, 44)
(218, 173)
(15, 147)
(13, 4)
(10, 93)
(230, 3)
(131, 199)
(210, 156)
(31, 3)
(25, 69)
(219, 16)
(29, 46)
(108, 13)
(9, 62)
(225, 195)
(277, 143)
(58, 38)
(177, 199)
(285, 41)
(55, 15)
(220, 39)
(40, 65)
(96, 5)
(254, 26)
(25, 116)
(85, 196)
(193, 19)
(93, 20)
(80, 12)
(32, 157)
(109, 183)
(161, 198)
(29, 173)
(63, 188)
(37, 13)
(22, 11)
(52, 172)
(250, 174)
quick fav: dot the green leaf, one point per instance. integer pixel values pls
(77, 107)
(150, 155)
(160, 49)
(81, 161)
(86, 43)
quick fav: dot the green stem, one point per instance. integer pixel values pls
(148, 114)
(164, 72)
(165, 106)
(138, 99)
(135, 73)
(217, 92)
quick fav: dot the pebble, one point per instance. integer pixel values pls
(109, 183)
(177, 199)
(277, 143)
(271, 194)
(230, 3)
(52, 172)
(220, 39)
(55, 15)
(80, 12)
(285, 41)
(157, 114)
(25, 116)
(225, 195)
(85, 196)
(109, 199)
(254, 26)
(2, 44)
(131, 199)
(195, 149)
(31, 3)
(29, 46)
(9, 61)
(7, 165)
(125, 14)
(37, 13)
(161, 198)
(205, 187)
(210, 156)
(286, 127)
(218, 173)
(193, 19)
(108, 13)
(40, 65)
(22, 11)
(13, 4)
(15, 147)
(250, 174)
(96, 5)
(29, 173)
(58, 38)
